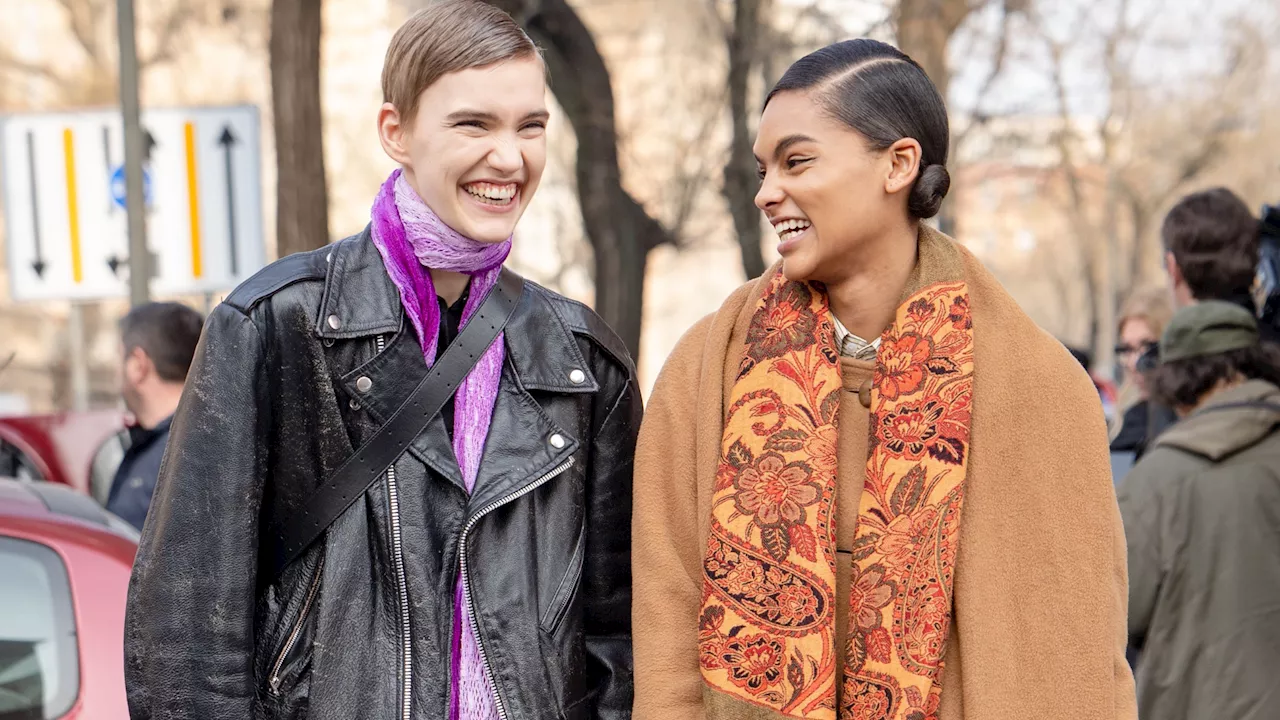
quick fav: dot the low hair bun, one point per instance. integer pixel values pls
(929, 190)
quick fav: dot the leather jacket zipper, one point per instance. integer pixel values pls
(274, 681)
(402, 585)
(466, 585)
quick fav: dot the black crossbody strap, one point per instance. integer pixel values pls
(297, 530)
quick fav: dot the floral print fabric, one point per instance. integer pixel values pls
(767, 629)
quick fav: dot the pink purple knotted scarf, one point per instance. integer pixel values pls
(412, 239)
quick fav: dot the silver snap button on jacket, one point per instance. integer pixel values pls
(557, 441)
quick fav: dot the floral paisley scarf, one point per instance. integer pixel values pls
(767, 627)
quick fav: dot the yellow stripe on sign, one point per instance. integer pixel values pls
(193, 201)
(73, 207)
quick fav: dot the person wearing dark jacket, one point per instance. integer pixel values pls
(159, 342)
(1201, 514)
(485, 574)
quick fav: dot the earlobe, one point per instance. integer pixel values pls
(391, 133)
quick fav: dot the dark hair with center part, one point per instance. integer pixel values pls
(881, 93)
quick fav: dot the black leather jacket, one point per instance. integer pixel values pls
(299, 366)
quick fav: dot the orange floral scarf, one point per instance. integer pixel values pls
(767, 628)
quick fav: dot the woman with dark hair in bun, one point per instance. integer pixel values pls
(869, 486)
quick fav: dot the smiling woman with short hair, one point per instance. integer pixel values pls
(399, 484)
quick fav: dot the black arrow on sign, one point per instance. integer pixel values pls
(115, 263)
(228, 141)
(39, 264)
(148, 144)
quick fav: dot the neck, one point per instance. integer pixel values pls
(1182, 296)
(449, 285)
(160, 404)
(867, 299)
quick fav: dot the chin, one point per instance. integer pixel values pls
(798, 268)
(490, 235)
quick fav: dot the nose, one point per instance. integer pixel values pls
(505, 157)
(769, 195)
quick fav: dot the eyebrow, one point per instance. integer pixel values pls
(785, 143)
(482, 116)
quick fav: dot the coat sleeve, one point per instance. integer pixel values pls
(1140, 506)
(189, 624)
(667, 553)
(606, 582)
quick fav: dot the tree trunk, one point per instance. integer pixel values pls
(924, 29)
(740, 173)
(619, 229)
(302, 209)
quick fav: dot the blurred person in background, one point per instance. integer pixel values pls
(1142, 319)
(866, 442)
(159, 343)
(1202, 517)
(1211, 243)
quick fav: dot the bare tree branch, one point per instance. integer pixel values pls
(620, 230)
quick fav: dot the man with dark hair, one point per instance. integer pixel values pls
(1211, 248)
(1200, 517)
(159, 342)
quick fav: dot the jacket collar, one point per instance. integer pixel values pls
(361, 300)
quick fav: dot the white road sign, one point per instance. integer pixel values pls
(66, 229)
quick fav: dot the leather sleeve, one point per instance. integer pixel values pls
(189, 625)
(606, 578)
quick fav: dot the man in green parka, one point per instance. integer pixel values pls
(1202, 520)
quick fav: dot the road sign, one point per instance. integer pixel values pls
(66, 231)
(118, 191)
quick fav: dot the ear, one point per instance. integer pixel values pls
(904, 165)
(1171, 267)
(137, 366)
(393, 134)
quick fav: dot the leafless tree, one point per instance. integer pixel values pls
(620, 230)
(302, 210)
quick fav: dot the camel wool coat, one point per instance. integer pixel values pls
(1039, 623)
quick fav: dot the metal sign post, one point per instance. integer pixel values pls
(139, 257)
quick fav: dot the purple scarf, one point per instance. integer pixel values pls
(411, 239)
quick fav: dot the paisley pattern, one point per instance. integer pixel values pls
(767, 628)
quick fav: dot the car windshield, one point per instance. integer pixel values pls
(39, 667)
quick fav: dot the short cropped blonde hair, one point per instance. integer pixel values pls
(447, 36)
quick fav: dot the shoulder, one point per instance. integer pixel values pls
(583, 322)
(1027, 360)
(303, 267)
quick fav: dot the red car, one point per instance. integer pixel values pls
(80, 449)
(65, 564)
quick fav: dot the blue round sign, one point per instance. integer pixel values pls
(118, 191)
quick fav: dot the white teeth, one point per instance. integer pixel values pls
(788, 229)
(491, 192)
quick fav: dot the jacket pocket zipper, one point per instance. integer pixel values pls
(567, 590)
(274, 681)
(466, 584)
